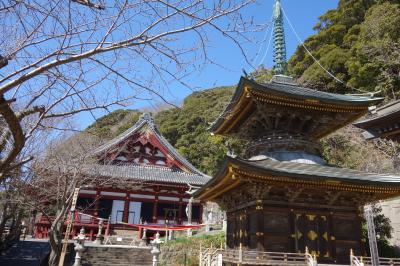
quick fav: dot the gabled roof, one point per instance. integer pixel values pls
(270, 170)
(147, 122)
(287, 95)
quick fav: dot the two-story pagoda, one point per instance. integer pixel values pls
(283, 197)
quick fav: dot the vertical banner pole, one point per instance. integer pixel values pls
(70, 225)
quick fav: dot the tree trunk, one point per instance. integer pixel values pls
(55, 237)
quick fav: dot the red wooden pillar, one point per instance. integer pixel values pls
(97, 203)
(126, 209)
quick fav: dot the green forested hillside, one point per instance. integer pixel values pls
(359, 42)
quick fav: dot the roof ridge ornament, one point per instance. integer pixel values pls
(147, 118)
(283, 79)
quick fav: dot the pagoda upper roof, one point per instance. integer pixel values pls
(235, 171)
(384, 123)
(145, 126)
(249, 92)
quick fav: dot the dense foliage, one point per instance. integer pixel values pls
(359, 42)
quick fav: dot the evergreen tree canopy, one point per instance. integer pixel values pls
(359, 43)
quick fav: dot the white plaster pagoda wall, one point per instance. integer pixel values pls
(391, 209)
(212, 214)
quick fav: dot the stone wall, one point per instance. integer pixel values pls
(175, 255)
(391, 209)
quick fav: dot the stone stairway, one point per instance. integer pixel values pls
(116, 256)
(25, 253)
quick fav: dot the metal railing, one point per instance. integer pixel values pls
(80, 220)
(210, 256)
(264, 258)
(215, 257)
(311, 260)
(367, 261)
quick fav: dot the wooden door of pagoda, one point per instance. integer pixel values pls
(311, 230)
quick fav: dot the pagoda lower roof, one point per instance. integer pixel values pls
(145, 173)
(235, 171)
(288, 95)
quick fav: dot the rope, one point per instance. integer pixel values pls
(268, 46)
(317, 61)
(262, 44)
(159, 227)
(308, 51)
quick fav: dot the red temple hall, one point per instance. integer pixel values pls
(146, 182)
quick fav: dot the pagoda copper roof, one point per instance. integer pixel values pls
(249, 93)
(147, 121)
(384, 123)
(145, 173)
(236, 171)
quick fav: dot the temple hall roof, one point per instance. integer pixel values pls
(145, 173)
(141, 153)
(146, 122)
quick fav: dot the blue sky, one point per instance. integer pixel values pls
(303, 15)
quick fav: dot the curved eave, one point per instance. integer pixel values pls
(216, 184)
(237, 96)
(315, 96)
(379, 120)
(287, 95)
(235, 172)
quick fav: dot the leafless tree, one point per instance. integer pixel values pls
(49, 186)
(60, 58)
